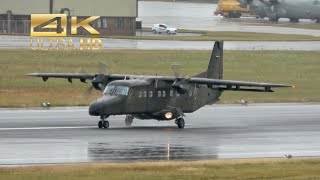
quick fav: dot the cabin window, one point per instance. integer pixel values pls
(159, 93)
(145, 94)
(163, 93)
(150, 93)
(140, 94)
(171, 93)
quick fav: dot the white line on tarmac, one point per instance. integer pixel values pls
(44, 128)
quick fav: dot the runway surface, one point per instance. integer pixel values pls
(24, 42)
(199, 16)
(68, 135)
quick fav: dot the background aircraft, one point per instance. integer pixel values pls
(292, 9)
(160, 97)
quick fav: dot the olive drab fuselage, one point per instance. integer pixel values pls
(152, 99)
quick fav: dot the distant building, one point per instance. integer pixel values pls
(118, 17)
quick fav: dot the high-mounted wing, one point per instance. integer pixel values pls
(99, 81)
(237, 85)
(45, 76)
(111, 77)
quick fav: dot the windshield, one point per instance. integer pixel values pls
(117, 90)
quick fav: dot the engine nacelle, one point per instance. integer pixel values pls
(180, 87)
(245, 3)
(100, 81)
(269, 2)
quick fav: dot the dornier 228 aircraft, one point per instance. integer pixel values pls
(161, 98)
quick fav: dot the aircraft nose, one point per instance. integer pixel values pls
(95, 108)
(106, 105)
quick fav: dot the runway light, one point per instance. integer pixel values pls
(168, 115)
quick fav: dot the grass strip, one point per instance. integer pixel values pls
(216, 169)
(289, 67)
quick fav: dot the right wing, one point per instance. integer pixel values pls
(237, 85)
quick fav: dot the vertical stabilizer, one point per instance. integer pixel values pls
(215, 67)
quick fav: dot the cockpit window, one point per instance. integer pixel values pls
(121, 90)
(108, 90)
(116, 90)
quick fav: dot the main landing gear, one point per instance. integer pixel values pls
(103, 123)
(180, 122)
(128, 121)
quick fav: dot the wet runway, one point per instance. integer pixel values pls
(24, 42)
(67, 135)
(199, 16)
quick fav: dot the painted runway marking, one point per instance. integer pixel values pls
(44, 128)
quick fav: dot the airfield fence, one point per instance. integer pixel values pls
(14, 26)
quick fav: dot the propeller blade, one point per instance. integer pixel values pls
(176, 68)
(103, 67)
(89, 91)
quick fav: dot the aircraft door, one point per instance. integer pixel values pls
(137, 100)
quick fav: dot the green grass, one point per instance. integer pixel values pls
(220, 169)
(288, 67)
(315, 26)
(220, 35)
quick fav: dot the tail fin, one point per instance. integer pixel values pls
(215, 67)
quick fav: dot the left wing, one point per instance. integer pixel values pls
(45, 76)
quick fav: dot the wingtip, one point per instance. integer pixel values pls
(31, 74)
(34, 74)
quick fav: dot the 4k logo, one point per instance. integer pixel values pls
(56, 25)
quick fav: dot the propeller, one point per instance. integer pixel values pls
(271, 9)
(180, 87)
(269, 2)
(104, 67)
(99, 79)
(245, 3)
(178, 84)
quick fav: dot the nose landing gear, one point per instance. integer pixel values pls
(103, 123)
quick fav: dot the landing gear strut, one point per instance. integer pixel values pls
(180, 123)
(129, 120)
(103, 123)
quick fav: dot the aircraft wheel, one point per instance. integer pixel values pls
(275, 20)
(294, 20)
(100, 124)
(106, 124)
(128, 121)
(180, 123)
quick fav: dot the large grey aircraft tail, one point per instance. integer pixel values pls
(215, 67)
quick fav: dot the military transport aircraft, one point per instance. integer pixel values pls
(293, 9)
(161, 98)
